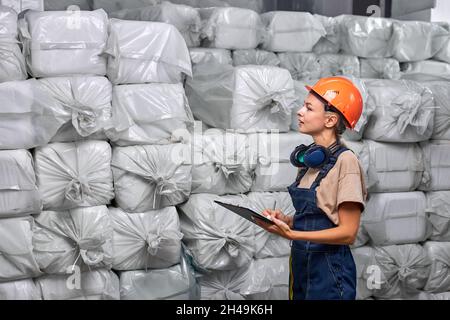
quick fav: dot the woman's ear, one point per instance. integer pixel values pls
(332, 120)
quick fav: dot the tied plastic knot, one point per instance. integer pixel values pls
(404, 272)
(275, 102)
(163, 187)
(77, 189)
(91, 251)
(232, 245)
(153, 242)
(85, 122)
(228, 170)
(409, 113)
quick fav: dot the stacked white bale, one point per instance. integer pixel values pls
(441, 95)
(245, 97)
(285, 28)
(444, 53)
(380, 68)
(273, 170)
(149, 240)
(224, 285)
(426, 70)
(19, 194)
(302, 65)
(210, 55)
(98, 284)
(439, 279)
(77, 174)
(151, 177)
(153, 113)
(185, 18)
(438, 211)
(437, 165)
(12, 62)
(58, 43)
(17, 260)
(330, 42)
(255, 57)
(142, 52)
(86, 106)
(338, 64)
(218, 239)
(19, 290)
(81, 237)
(231, 28)
(221, 163)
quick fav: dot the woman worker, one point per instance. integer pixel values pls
(328, 195)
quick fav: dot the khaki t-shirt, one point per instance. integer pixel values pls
(344, 183)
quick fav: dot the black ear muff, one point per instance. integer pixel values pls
(297, 156)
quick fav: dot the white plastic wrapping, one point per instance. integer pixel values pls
(115, 5)
(338, 64)
(394, 167)
(302, 65)
(16, 250)
(427, 70)
(285, 28)
(361, 150)
(59, 5)
(330, 43)
(434, 296)
(444, 53)
(417, 40)
(273, 171)
(71, 175)
(19, 290)
(221, 163)
(268, 279)
(395, 218)
(86, 105)
(79, 237)
(217, 238)
(142, 51)
(380, 68)
(441, 95)
(224, 285)
(245, 97)
(405, 269)
(22, 5)
(437, 165)
(149, 240)
(210, 55)
(438, 211)
(151, 177)
(366, 37)
(439, 254)
(404, 111)
(149, 114)
(19, 194)
(99, 284)
(255, 57)
(231, 28)
(29, 117)
(58, 43)
(267, 244)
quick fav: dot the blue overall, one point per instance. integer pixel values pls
(318, 271)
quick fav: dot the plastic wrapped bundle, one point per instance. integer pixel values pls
(338, 64)
(19, 290)
(149, 114)
(434, 296)
(22, 5)
(71, 175)
(439, 254)
(175, 283)
(151, 177)
(79, 237)
(149, 240)
(406, 269)
(19, 194)
(224, 285)
(141, 52)
(395, 218)
(268, 279)
(302, 65)
(428, 70)
(441, 95)
(366, 283)
(17, 260)
(437, 165)
(380, 68)
(255, 57)
(300, 94)
(210, 55)
(60, 5)
(404, 111)
(330, 43)
(29, 117)
(285, 28)
(92, 285)
(86, 105)
(366, 37)
(245, 97)
(274, 172)
(186, 19)
(438, 211)
(231, 28)
(361, 150)
(221, 163)
(444, 53)
(267, 244)
(394, 167)
(58, 43)
(111, 6)
(417, 40)
(217, 238)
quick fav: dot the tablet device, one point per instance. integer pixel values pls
(245, 213)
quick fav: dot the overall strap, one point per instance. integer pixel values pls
(324, 171)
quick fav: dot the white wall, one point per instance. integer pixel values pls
(442, 11)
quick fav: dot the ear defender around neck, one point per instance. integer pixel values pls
(312, 156)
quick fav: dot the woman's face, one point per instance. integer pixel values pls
(312, 116)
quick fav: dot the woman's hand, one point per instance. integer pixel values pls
(281, 226)
(289, 220)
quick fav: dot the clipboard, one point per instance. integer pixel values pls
(245, 213)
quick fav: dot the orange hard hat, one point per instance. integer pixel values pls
(340, 95)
